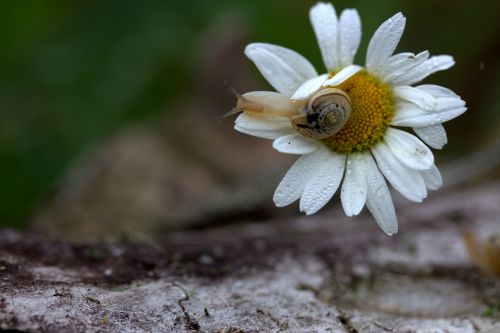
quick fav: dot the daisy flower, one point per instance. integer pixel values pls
(367, 149)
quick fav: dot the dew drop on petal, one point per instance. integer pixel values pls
(381, 191)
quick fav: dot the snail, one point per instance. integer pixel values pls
(326, 113)
(484, 253)
(323, 115)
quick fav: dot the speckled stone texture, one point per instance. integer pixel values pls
(324, 273)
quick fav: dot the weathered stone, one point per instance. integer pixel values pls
(316, 274)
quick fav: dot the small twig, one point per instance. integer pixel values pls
(190, 323)
(382, 326)
(92, 299)
(345, 321)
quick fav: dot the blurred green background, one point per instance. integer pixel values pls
(72, 73)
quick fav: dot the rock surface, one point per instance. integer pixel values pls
(316, 274)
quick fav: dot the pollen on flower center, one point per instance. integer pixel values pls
(372, 108)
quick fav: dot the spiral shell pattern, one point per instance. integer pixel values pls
(326, 113)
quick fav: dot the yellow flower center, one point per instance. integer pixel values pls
(372, 108)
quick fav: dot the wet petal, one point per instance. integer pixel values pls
(295, 144)
(428, 67)
(291, 187)
(432, 178)
(325, 25)
(434, 136)
(448, 103)
(406, 181)
(418, 97)
(349, 36)
(413, 116)
(354, 186)
(378, 199)
(309, 87)
(283, 68)
(263, 126)
(384, 42)
(323, 184)
(409, 150)
(343, 75)
(437, 91)
(401, 63)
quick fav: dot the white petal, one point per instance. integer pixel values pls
(325, 24)
(428, 67)
(349, 36)
(413, 116)
(323, 185)
(378, 199)
(416, 96)
(432, 178)
(409, 150)
(295, 144)
(448, 103)
(384, 42)
(263, 126)
(343, 75)
(354, 186)
(309, 87)
(434, 136)
(406, 181)
(283, 68)
(437, 91)
(292, 185)
(400, 63)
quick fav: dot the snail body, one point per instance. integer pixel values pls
(325, 114)
(265, 102)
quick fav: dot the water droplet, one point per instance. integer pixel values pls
(381, 191)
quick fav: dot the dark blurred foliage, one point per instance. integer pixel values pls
(74, 72)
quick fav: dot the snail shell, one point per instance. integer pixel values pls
(324, 115)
